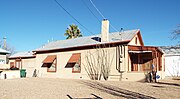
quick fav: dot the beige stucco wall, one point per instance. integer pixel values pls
(62, 59)
(28, 64)
(61, 72)
(3, 57)
(139, 76)
(4, 66)
(10, 74)
(133, 76)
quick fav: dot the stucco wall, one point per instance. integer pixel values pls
(28, 64)
(172, 65)
(10, 74)
(4, 66)
(62, 59)
(139, 76)
(3, 57)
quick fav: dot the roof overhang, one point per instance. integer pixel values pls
(144, 49)
(22, 57)
(2, 51)
(107, 44)
(172, 55)
(7, 52)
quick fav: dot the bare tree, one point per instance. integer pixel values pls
(98, 63)
(8, 47)
(176, 33)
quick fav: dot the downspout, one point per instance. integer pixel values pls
(21, 62)
(120, 53)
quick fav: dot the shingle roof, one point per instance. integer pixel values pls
(4, 51)
(171, 50)
(89, 40)
(22, 54)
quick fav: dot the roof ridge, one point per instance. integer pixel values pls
(127, 35)
(93, 35)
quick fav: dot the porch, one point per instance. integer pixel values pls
(145, 58)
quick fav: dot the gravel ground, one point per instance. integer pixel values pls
(55, 88)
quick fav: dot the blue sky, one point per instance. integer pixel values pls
(28, 24)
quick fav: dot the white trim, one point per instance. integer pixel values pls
(140, 51)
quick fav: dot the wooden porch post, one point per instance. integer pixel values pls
(138, 67)
(157, 65)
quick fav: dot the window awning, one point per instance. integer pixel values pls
(140, 51)
(75, 58)
(49, 59)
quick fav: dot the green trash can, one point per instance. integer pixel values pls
(23, 73)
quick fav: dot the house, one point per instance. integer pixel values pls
(3, 58)
(130, 59)
(172, 60)
(23, 60)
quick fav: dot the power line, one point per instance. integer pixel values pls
(90, 10)
(95, 16)
(78, 21)
(102, 15)
(73, 17)
(97, 9)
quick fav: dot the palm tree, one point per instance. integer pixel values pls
(73, 32)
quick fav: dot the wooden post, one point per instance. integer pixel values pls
(157, 65)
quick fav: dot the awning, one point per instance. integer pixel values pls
(49, 59)
(140, 51)
(75, 58)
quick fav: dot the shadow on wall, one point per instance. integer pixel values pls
(113, 90)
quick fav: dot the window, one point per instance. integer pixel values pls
(76, 68)
(50, 62)
(136, 40)
(12, 65)
(74, 63)
(52, 67)
(2, 61)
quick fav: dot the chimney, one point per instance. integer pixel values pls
(105, 31)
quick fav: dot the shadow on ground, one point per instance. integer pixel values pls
(172, 84)
(115, 91)
(95, 97)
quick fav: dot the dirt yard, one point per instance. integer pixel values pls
(55, 88)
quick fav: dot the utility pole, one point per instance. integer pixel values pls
(5, 46)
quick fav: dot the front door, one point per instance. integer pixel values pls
(134, 62)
